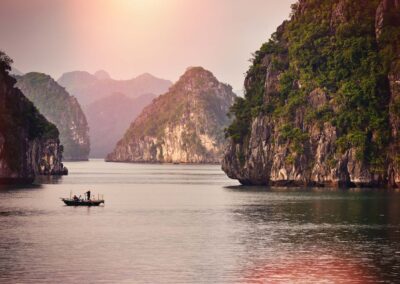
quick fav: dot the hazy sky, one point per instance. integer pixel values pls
(130, 37)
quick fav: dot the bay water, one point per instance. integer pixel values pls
(191, 224)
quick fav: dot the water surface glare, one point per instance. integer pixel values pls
(191, 224)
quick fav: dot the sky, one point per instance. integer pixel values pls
(130, 37)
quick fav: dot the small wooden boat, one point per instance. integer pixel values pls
(82, 202)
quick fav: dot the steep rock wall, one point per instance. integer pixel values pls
(59, 108)
(29, 144)
(313, 114)
(185, 125)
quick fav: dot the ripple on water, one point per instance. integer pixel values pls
(190, 224)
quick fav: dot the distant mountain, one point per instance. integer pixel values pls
(102, 75)
(15, 71)
(185, 125)
(90, 87)
(239, 93)
(60, 108)
(108, 119)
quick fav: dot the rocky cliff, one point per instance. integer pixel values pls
(109, 118)
(88, 88)
(54, 102)
(29, 144)
(322, 101)
(185, 125)
(387, 31)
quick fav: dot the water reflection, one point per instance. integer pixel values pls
(48, 179)
(5, 187)
(314, 235)
(312, 267)
(187, 224)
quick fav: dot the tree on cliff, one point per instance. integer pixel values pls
(5, 61)
(331, 66)
(29, 144)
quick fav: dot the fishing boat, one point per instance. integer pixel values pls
(87, 201)
(82, 202)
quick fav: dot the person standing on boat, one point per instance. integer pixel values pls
(88, 194)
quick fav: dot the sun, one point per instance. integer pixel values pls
(141, 5)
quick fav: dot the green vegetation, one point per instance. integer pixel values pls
(244, 110)
(175, 107)
(186, 122)
(61, 109)
(158, 116)
(295, 136)
(5, 62)
(343, 60)
(19, 119)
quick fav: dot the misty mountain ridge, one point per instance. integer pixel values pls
(60, 108)
(109, 117)
(102, 75)
(184, 125)
(89, 87)
(15, 72)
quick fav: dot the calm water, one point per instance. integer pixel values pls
(190, 224)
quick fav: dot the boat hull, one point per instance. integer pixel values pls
(71, 202)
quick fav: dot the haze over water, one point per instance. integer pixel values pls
(191, 224)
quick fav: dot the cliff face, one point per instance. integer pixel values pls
(29, 144)
(109, 118)
(322, 100)
(88, 88)
(61, 109)
(387, 31)
(184, 125)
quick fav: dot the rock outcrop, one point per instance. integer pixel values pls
(29, 144)
(88, 88)
(185, 125)
(109, 118)
(60, 108)
(322, 100)
(387, 31)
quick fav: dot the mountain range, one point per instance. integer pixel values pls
(109, 117)
(88, 88)
(184, 125)
(60, 108)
